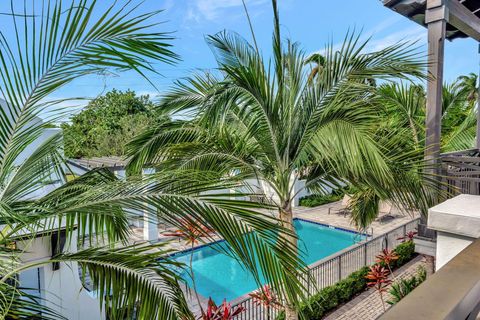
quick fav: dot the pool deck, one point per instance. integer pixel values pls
(320, 214)
(317, 214)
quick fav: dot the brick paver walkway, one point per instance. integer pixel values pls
(367, 305)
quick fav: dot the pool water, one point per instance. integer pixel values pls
(221, 277)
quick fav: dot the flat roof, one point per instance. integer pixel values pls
(458, 215)
(415, 11)
(111, 162)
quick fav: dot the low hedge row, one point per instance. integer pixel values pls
(343, 291)
(317, 200)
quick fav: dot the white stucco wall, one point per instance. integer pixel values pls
(62, 289)
(448, 246)
(457, 222)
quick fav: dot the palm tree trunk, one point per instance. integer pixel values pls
(286, 216)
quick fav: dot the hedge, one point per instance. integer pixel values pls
(316, 200)
(343, 291)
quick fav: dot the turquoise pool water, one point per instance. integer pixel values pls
(222, 277)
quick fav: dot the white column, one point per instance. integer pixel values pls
(150, 219)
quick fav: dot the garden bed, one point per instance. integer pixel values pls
(330, 298)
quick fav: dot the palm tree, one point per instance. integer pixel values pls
(405, 109)
(263, 119)
(319, 61)
(52, 46)
(459, 114)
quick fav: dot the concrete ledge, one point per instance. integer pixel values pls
(459, 215)
(425, 246)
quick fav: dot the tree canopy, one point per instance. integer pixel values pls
(107, 123)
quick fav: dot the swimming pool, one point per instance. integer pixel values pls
(222, 277)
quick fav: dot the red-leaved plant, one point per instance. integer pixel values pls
(377, 278)
(408, 236)
(386, 258)
(266, 298)
(191, 233)
(223, 312)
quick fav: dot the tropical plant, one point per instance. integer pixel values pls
(405, 110)
(403, 287)
(377, 278)
(190, 233)
(267, 298)
(223, 312)
(319, 62)
(387, 257)
(459, 114)
(262, 119)
(408, 236)
(52, 45)
(107, 123)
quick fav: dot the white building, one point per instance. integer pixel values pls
(58, 286)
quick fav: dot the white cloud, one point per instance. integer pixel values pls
(412, 34)
(216, 9)
(153, 95)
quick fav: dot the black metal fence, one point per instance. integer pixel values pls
(334, 268)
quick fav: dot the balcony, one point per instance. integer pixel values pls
(461, 170)
(453, 292)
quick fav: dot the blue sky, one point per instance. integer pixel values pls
(312, 23)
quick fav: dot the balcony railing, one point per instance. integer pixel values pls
(462, 171)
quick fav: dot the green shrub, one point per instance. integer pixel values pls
(317, 200)
(405, 252)
(343, 291)
(330, 297)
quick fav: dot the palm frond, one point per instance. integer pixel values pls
(131, 280)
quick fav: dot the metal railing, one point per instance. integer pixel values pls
(461, 170)
(334, 268)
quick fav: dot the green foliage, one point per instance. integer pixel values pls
(330, 297)
(405, 252)
(405, 113)
(317, 200)
(343, 291)
(403, 287)
(107, 123)
(47, 47)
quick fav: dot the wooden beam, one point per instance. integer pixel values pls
(436, 48)
(463, 19)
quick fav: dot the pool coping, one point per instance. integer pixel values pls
(313, 264)
(172, 255)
